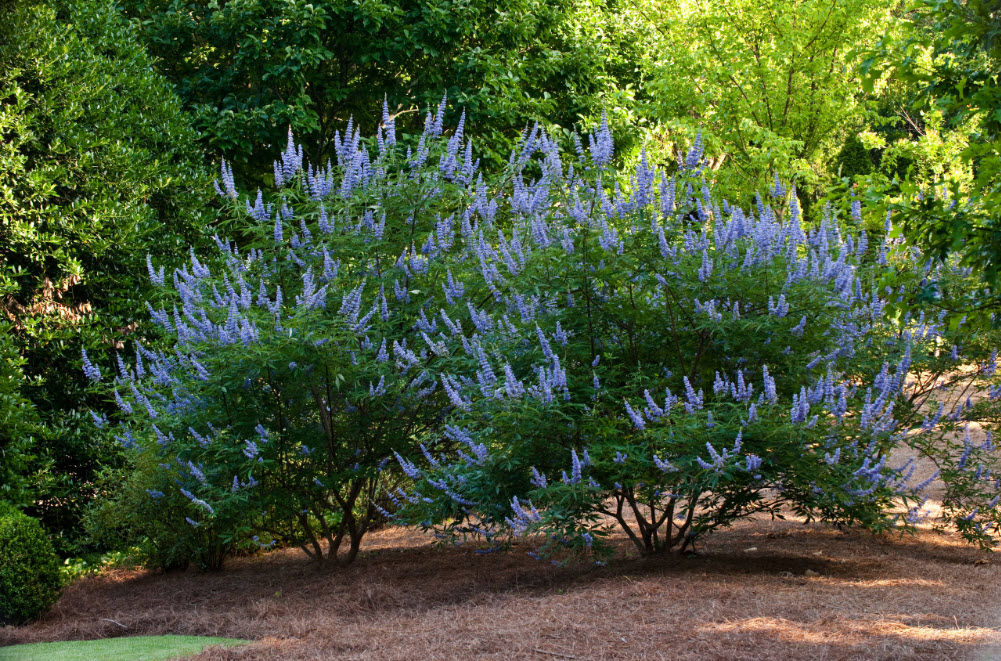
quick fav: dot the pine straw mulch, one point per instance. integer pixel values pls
(804, 592)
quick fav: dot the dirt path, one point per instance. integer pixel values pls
(805, 592)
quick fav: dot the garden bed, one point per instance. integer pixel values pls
(804, 591)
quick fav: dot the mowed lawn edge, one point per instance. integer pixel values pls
(128, 648)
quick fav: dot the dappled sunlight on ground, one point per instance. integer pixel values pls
(799, 632)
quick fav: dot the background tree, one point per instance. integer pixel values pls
(950, 58)
(251, 69)
(98, 167)
(20, 471)
(772, 85)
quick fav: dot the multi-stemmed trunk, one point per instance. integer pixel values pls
(654, 530)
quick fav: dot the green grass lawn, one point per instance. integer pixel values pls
(136, 648)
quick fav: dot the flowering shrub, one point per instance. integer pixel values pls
(952, 386)
(666, 363)
(560, 351)
(304, 359)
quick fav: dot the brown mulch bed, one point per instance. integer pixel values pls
(805, 592)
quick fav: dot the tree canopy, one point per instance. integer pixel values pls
(249, 70)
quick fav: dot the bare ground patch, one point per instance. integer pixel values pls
(806, 592)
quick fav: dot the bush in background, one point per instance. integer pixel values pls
(144, 511)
